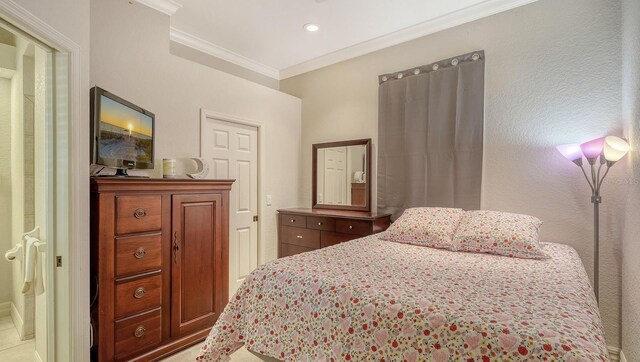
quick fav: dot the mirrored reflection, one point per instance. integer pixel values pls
(341, 175)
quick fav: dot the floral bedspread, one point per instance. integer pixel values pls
(376, 300)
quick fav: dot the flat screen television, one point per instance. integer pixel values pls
(122, 133)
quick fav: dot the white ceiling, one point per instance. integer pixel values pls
(267, 35)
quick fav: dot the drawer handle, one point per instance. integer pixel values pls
(140, 213)
(319, 223)
(139, 332)
(299, 236)
(293, 220)
(140, 253)
(350, 226)
(139, 293)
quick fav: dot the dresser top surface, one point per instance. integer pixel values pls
(344, 214)
(150, 184)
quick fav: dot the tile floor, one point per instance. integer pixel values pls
(12, 349)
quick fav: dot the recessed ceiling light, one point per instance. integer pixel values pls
(311, 27)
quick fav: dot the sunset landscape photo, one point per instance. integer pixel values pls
(125, 133)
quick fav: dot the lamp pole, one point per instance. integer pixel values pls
(596, 200)
(608, 150)
(595, 183)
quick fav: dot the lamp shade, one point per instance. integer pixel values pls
(571, 152)
(615, 148)
(593, 148)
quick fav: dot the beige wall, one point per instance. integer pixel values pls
(130, 57)
(631, 241)
(222, 65)
(6, 243)
(552, 77)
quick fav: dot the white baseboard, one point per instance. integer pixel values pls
(18, 322)
(622, 357)
(614, 354)
(5, 309)
(17, 318)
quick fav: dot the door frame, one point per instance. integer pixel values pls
(66, 329)
(206, 114)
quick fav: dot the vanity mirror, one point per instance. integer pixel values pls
(341, 175)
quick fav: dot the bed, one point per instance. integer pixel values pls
(371, 299)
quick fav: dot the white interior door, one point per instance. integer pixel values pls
(232, 151)
(335, 175)
(27, 120)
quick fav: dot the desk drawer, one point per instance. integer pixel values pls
(138, 214)
(321, 223)
(138, 333)
(293, 220)
(138, 254)
(289, 250)
(138, 295)
(356, 227)
(330, 238)
(301, 237)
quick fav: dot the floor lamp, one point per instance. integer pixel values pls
(601, 152)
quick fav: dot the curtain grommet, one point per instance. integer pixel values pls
(416, 72)
(475, 56)
(435, 67)
(454, 62)
(384, 79)
(400, 76)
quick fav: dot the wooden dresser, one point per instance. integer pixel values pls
(159, 264)
(303, 230)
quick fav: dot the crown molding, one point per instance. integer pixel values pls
(168, 7)
(455, 18)
(217, 51)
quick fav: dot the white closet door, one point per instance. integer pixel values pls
(232, 152)
(335, 176)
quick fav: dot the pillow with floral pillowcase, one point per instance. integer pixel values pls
(426, 226)
(500, 233)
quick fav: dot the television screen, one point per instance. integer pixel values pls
(124, 137)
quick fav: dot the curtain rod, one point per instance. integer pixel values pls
(19, 32)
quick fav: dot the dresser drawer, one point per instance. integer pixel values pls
(289, 250)
(293, 220)
(138, 333)
(356, 227)
(138, 214)
(301, 237)
(321, 223)
(137, 254)
(330, 238)
(138, 295)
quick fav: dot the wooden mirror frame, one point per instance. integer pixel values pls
(314, 181)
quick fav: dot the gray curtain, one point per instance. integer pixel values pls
(430, 132)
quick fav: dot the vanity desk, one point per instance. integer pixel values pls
(301, 230)
(341, 199)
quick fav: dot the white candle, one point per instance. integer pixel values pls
(169, 167)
